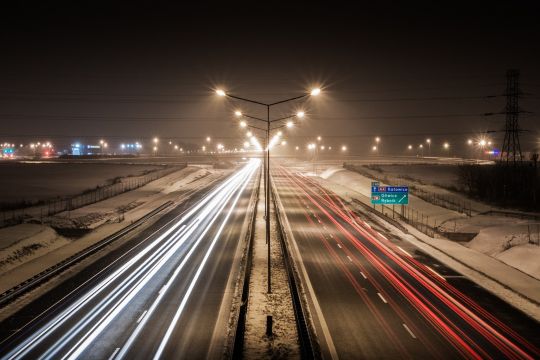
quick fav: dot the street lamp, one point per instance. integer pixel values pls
(268, 121)
(343, 148)
(208, 139)
(319, 138)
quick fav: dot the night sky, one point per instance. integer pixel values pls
(125, 71)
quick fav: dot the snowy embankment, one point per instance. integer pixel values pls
(28, 249)
(499, 258)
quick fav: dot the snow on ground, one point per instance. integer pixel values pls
(510, 243)
(499, 258)
(45, 180)
(53, 248)
(284, 342)
(27, 241)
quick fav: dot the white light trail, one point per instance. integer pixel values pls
(118, 296)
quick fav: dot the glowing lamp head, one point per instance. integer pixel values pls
(344, 148)
(300, 114)
(315, 91)
(243, 124)
(290, 124)
(220, 92)
(238, 113)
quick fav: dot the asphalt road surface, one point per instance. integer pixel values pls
(163, 298)
(371, 298)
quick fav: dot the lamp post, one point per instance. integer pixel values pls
(268, 121)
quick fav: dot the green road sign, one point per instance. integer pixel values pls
(389, 195)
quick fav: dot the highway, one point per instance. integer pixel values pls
(166, 297)
(371, 298)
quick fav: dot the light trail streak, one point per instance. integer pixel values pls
(441, 299)
(116, 299)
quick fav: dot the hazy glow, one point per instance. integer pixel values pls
(238, 113)
(220, 92)
(290, 124)
(243, 124)
(344, 148)
(315, 91)
(300, 114)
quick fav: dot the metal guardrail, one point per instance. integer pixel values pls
(238, 343)
(58, 268)
(305, 337)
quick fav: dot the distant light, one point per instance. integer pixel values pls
(208, 139)
(220, 92)
(246, 144)
(243, 124)
(296, 148)
(374, 148)
(290, 124)
(319, 138)
(344, 148)
(428, 141)
(175, 147)
(446, 145)
(377, 139)
(482, 142)
(284, 143)
(315, 91)
(204, 148)
(322, 147)
(300, 114)
(489, 143)
(238, 113)
(279, 133)
(409, 147)
(470, 142)
(156, 140)
(249, 134)
(421, 146)
(155, 148)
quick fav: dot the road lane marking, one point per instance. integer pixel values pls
(404, 251)
(382, 298)
(348, 257)
(114, 353)
(339, 245)
(141, 317)
(363, 275)
(436, 273)
(409, 331)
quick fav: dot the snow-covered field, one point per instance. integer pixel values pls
(34, 181)
(28, 249)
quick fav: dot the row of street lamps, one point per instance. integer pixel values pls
(268, 126)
